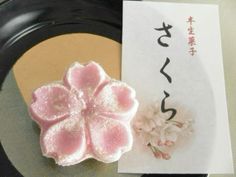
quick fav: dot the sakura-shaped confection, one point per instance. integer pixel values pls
(87, 115)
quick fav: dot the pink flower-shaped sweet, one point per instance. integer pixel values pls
(86, 116)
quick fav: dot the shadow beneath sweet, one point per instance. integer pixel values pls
(36, 128)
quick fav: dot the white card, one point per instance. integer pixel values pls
(172, 56)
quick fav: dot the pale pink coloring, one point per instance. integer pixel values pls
(87, 115)
(160, 135)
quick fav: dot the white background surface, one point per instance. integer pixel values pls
(228, 37)
(213, 66)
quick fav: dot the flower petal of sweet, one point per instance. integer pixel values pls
(117, 100)
(65, 142)
(109, 138)
(86, 78)
(51, 102)
(86, 116)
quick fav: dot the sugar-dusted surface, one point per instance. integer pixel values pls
(87, 115)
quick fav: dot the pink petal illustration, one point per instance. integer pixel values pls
(109, 138)
(65, 142)
(117, 100)
(85, 78)
(51, 102)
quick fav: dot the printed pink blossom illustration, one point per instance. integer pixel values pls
(87, 115)
(160, 135)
